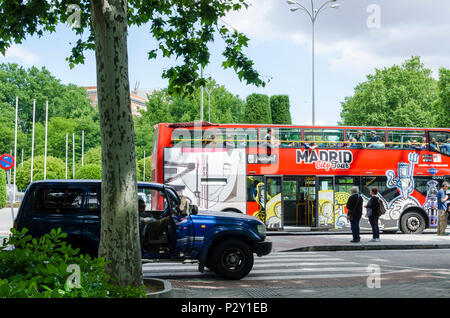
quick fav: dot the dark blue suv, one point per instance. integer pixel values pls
(222, 241)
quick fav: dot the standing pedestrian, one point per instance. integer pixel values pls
(373, 207)
(442, 198)
(354, 207)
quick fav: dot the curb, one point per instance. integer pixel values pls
(166, 286)
(332, 248)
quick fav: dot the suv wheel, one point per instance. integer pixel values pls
(412, 223)
(232, 259)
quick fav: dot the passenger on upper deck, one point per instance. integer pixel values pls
(353, 144)
(423, 146)
(310, 145)
(270, 141)
(433, 145)
(413, 144)
(360, 139)
(376, 143)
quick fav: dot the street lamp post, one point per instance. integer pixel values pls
(313, 16)
(209, 91)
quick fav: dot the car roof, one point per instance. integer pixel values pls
(90, 181)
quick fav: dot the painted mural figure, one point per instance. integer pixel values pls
(431, 203)
(405, 172)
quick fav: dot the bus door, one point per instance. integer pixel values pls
(325, 207)
(299, 200)
(291, 200)
(273, 202)
(306, 204)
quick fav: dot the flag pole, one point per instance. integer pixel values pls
(73, 156)
(32, 142)
(67, 150)
(45, 151)
(15, 156)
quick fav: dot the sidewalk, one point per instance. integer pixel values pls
(325, 241)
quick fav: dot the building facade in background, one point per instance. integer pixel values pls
(137, 99)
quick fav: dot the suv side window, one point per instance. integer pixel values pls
(155, 200)
(58, 200)
(94, 200)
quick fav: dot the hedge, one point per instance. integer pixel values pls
(257, 109)
(89, 171)
(3, 194)
(55, 170)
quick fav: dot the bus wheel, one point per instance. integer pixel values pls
(232, 259)
(412, 223)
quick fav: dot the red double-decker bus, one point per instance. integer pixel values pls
(301, 176)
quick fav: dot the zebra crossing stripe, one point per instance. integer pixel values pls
(280, 266)
(290, 260)
(293, 277)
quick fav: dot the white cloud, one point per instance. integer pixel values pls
(22, 55)
(343, 38)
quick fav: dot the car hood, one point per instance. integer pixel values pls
(234, 215)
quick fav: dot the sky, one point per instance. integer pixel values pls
(350, 43)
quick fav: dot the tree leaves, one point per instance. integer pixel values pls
(399, 96)
(182, 28)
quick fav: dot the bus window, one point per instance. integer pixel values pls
(236, 137)
(269, 137)
(290, 137)
(325, 138)
(440, 142)
(182, 137)
(407, 139)
(253, 191)
(345, 183)
(380, 182)
(207, 139)
(246, 137)
(366, 138)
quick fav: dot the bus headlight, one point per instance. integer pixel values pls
(261, 229)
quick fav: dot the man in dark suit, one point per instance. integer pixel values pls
(354, 207)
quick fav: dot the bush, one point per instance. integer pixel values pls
(3, 194)
(89, 171)
(55, 170)
(40, 268)
(257, 109)
(92, 156)
(148, 169)
(279, 108)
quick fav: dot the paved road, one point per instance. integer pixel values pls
(6, 221)
(276, 266)
(418, 273)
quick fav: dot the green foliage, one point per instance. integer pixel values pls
(402, 96)
(3, 194)
(257, 109)
(39, 268)
(182, 31)
(148, 169)
(70, 112)
(279, 107)
(93, 156)
(55, 170)
(89, 171)
(7, 137)
(443, 103)
(68, 101)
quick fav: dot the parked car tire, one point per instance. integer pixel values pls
(232, 259)
(412, 223)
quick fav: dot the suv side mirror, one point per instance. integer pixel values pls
(194, 209)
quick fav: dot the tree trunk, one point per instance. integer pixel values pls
(119, 238)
